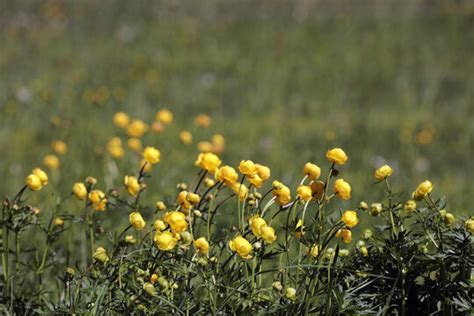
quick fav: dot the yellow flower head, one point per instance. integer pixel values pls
(159, 225)
(137, 128)
(177, 221)
(313, 251)
(312, 171)
(241, 245)
(350, 218)
(268, 234)
(98, 199)
(164, 116)
(255, 180)
(469, 224)
(33, 182)
(423, 190)
(227, 174)
(135, 144)
(299, 229)
(247, 167)
(203, 120)
(186, 137)
(410, 206)
(51, 161)
(165, 240)
(281, 192)
(147, 167)
(342, 189)
(80, 191)
(202, 245)
(152, 155)
(383, 172)
(100, 255)
(240, 190)
(59, 147)
(290, 293)
(208, 161)
(337, 156)
(256, 222)
(263, 172)
(132, 185)
(59, 222)
(137, 221)
(41, 175)
(205, 147)
(183, 201)
(121, 119)
(304, 192)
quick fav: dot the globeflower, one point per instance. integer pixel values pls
(137, 221)
(256, 223)
(202, 245)
(165, 240)
(159, 225)
(186, 137)
(423, 190)
(383, 172)
(121, 119)
(263, 172)
(410, 206)
(469, 225)
(164, 116)
(268, 234)
(304, 192)
(228, 175)
(98, 199)
(342, 189)
(241, 245)
(350, 218)
(240, 190)
(281, 192)
(134, 144)
(208, 161)
(337, 156)
(312, 171)
(203, 120)
(317, 189)
(132, 185)
(33, 182)
(100, 255)
(80, 191)
(247, 167)
(41, 175)
(59, 147)
(151, 155)
(51, 161)
(177, 221)
(137, 128)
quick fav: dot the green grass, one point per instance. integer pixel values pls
(282, 82)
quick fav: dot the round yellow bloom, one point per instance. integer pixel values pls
(268, 234)
(149, 288)
(342, 189)
(160, 206)
(80, 190)
(193, 198)
(317, 188)
(41, 175)
(312, 171)
(350, 218)
(98, 199)
(290, 293)
(165, 240)
(129, 239)
(203, 120)
(121, 119)
(51, 161)
(100, 255)
(337, 156)
(132, 185)
(263, 172)
(376, 209)
(202, 245)
(208, 161)
(313, 251)
(346, 235)
(137, 128)
(304, 192)
(147, 167)
(59, 222)
(183, 201)
(240, 190)
(228, 175)
(255, 180)
(247, 167)
(469, 224)
(177, 221)
(158, 127)
(423, 190)
(209, 182)
(164, 116)
(410, 206)
(449, 219)
(159, 225)
(137, 220)
(256, 223)
(152, 155)
(218, 139)
(135, 144)
(33, 182)
(117, 152)
(59, 147)
(186, 137)
(205, 147)
(281, 192)
(241, 245)
(383, 172)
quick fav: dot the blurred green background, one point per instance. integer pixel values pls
(388, 81)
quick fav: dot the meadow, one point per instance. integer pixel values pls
(276, 82)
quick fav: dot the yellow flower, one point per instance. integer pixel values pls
(51, 161)
(346, 235)
(193, 198)
(59, 147)
(422, 190)
(256, 223)
(202, 245)
(383, 172)
(59, 222)
(209, 182)
(135, 144)
(350, 218)
(177, 221)
(376, 209)
(158, 127)
(137, 221)
(218, 140)
(299, 229)
(342, 189)
(164, 116)
(152, 155)
(132, 185)
(98, 199)
(183, 201)
(160, 206)
(410, 206)
(304, 192)
(281, 192)
(149, 288)
(186, 137)
(100, 255)
(449, 219)
(263, 172)
(114, 147)
(290, 293)
(165, 240)
(312, 171)
(241, 246)
(159, 225)
(121, 119)
(80, 190)
(208, 161)
(268, 234)
(153, 278)
(129, 239)
(337, 156)
(136, 128)
(228, 175)
(41, 175)
(317, 189)
(33, 182)
(147, 167)
(247, 167)
(203, 120)
(343, 252)
(205, 147)
(240, 190)
(255, 180)
(469, 224)
(313, 251)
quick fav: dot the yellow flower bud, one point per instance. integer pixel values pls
(256, 223)
(367, 234)
(290, 293)
(241, 246)
(164, 116)
(449, 219)
(376, 209)
(410, 206)
(343, 252)
(41, 175)
(383, 172)
(33, 182)
(177, 221)
(240, 190)
(363, 205)
(80, 191)
(422, 190)
(149, 289)
(121, 119)
(129, 239)
(337, 156)
(160, 206)
(132, 185)
(281, 192)
(59, 147)
(159, 225)
(98, 199)
(59, 222)
(346, 235)
(342, 189)
(263, 172)
(51, 161)
(228, 175)
(312, 171)
(137, 220)
(147, 167)
(255, 180)
(364, 251)
(203, 120)
(304, 192)
(152, 155)
(209, 182)
(153, 278)
(135, 144)
(313, 251)
(137, 128)
(186, 137)
(268, 234)
(247, 167)
(469, 224)
(100, 255)
(165, 240)
(350, 218)
(202, 245)
(205, 147)
(208, 161)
